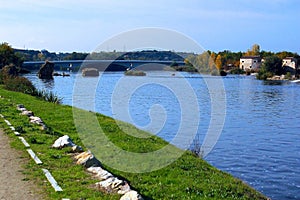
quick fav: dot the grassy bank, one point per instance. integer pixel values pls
(187, 178)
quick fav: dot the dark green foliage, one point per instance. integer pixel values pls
(19, 84)
(273, 64)
(47, 96)
(270, 67)
(75, 56)
(7, 72)
(185, 68)
(237, 70)
(8, 56)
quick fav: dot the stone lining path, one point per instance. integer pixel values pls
(13, 184)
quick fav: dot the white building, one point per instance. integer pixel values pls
(248, 63)
(290, 62)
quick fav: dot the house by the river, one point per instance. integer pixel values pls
(290, 64)
(249, 63)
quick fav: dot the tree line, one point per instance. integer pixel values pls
(208, 62)
(213, 62)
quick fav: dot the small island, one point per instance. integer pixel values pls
(90, 72)
(134, 73)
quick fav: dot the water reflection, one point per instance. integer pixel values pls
(275, 82)
(48, 83)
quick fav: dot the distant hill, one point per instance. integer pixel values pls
(36, 55)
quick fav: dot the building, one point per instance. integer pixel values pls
(290, 62)
(249, 63)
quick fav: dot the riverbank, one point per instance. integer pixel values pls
(187, 178)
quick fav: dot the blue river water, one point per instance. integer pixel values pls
(260, 138)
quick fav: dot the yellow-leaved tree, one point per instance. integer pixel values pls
(254, 51)
(219, 62)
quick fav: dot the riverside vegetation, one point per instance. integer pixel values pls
(189, 177)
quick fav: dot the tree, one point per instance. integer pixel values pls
(272, 66)
(285, 54)
(8, 56)
(219, 62)
(254, 51)
(211, 62)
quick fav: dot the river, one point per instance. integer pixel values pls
(260, 139)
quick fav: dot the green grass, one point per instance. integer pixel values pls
(188, 177)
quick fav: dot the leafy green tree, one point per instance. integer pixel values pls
(270, 67)
(8, 56)
(285, 54)
(264, 54)
(273, 64)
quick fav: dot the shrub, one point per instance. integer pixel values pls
(288, 76)
(19, 84)
(7, 72)
(237, 71)
(47, 96)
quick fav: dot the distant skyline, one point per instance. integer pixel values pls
(217, 25)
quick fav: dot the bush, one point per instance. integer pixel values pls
(7, 72)
(237, 71)
(47, 96)
(264, 75)
(19, 84)
(288, 76)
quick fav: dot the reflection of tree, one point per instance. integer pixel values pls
(48, 84)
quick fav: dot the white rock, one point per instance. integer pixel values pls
(20, 107)
(62, 142)
(111, 185)
(131, 195)
(27, 113)
(87, 159)
(123, 189)
(100, 173)
(104, 175)
(36, 120)
(94, 170)
(106, 183)
(77, 149)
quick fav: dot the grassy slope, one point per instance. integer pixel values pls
(187, 178)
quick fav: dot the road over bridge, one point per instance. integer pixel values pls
(104, 65)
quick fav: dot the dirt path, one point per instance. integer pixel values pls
(13, 184)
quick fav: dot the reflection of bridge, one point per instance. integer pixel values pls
(104, 65)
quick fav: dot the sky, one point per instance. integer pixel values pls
(216, 25)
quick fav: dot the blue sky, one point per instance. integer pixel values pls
(81, 25)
